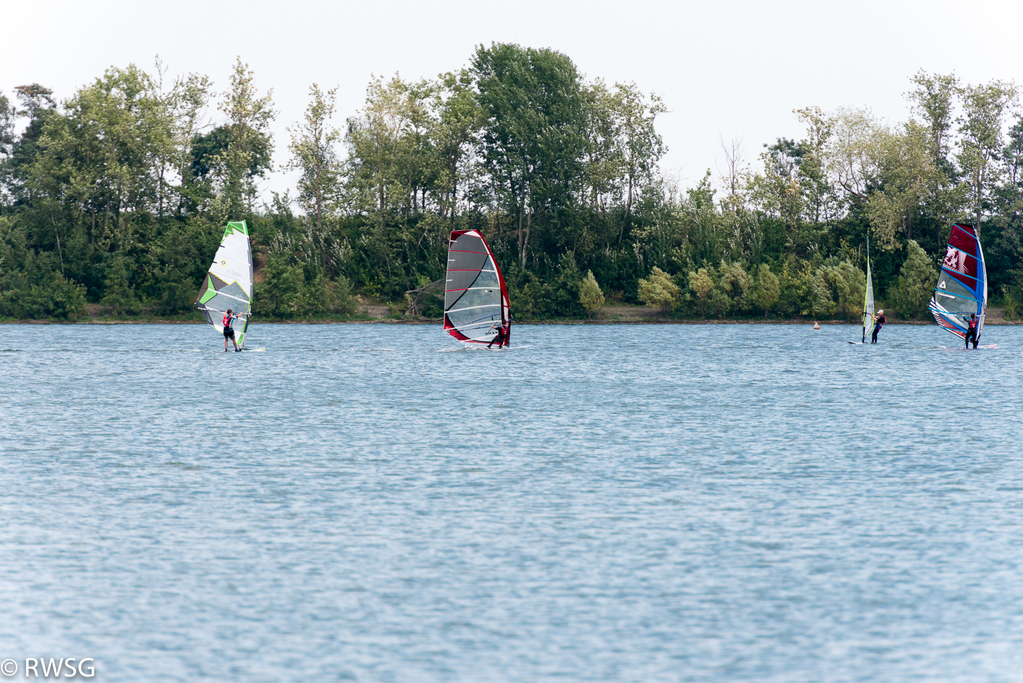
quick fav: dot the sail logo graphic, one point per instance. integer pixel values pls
(955, 260)
(942, 284)
(223, 262)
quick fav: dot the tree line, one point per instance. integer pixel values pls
(114, 200)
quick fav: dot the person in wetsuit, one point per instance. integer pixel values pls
(879, 321)
(502, 334)
(229, 331)
(971, 330)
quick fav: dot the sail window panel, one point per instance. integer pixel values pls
(215, 309)
(233, 290)
(475, 322)
(953, 305)
(488, 278)
(490, 312)
(950, 286)
(950, 318)
(458, 280)
(212, 317)
(490, 296)
(463, 270)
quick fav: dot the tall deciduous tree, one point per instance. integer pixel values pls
(8, 114)
(934, 101)
(249, 116)
(909, 178)
(386, 145)
(314, 155)
(641, 146)
(984, 110)
(459, 119)
(533, 139)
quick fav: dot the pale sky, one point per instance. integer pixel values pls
(726, 69)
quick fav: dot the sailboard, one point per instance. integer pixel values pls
(475, 295)
(961, 289)
(228, 282)
(868, 301)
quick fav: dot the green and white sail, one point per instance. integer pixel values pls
(228, 283)
(868, 300)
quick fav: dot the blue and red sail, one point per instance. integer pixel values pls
(961, 289)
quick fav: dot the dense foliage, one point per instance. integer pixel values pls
(114, 200)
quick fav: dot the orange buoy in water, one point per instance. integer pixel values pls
(815, 325)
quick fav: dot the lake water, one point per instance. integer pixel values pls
(598, 503)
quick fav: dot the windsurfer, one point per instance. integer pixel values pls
(229, 331)
(501, 334)
(971, 330)
(879, 321)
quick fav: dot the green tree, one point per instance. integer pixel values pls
(916, 282)
(984, 110)
(814, 182)
(313, 153)
(777, 191)
(623, 147)
(8, 116)
(249, 117)
(934, 101)
(738, 284)
(389, 148)
(590, 295)
(909, 178)
(458, 120)
(120, 296)
(848, 286)
(709, 298)
(533, 140)
(767, 289)
(817, 289)
(658, 290)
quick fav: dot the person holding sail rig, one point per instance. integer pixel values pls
(229, 331)
(501, 335)
(971, 330)
(879, 321)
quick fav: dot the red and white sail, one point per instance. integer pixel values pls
(475, 296)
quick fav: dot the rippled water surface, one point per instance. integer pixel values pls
(598, 503)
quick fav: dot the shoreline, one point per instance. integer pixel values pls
(997, 323)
